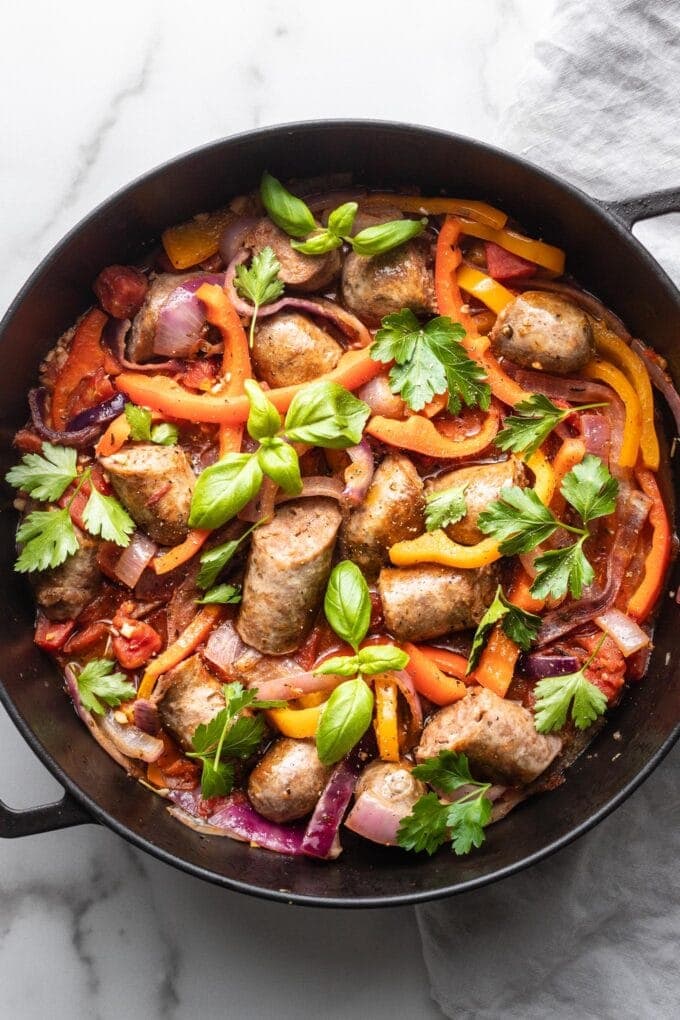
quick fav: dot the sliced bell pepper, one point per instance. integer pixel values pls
(571, 452)
(117, 434)
(386, 720)
(354, 368)
(235, 358)
(448, 662)
(188, 641)
(496, 666)
(538, 252)
(435, 206)
(612, 347)
(299, 723)
(85, 356)
(429, 680)
(487, 290)
(179, 554)
(192, 242)
(421, 435)
(607, 373)
(437, 547)
(647, 594)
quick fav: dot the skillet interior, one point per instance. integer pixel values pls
(603, 256)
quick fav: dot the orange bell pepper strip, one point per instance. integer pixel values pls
(437, 547)
(192, 242)
(450, 302)
(386, 721)
(431, 681)
(448, 662)
(614, 349)
(571, 452)
(354, 368)
(186, 643)
(299, 723)
(435, 206)
(647, 594)
(487, 290)
(496, 666)
(85, 356)
(609, 374)
(539, 252)
(179, 554)
(117, 434)
(421, 435)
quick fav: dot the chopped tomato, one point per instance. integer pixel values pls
(51, 635)
(28, 441)
(307, 655)
(91, 638)
(136, 642)
(92, 389)
(608, 669)
(200, 375)
(503, 265)
(78, 504)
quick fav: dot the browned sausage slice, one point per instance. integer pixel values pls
(420, 603)
(140, 342)
(285, 580)
(543, 331)
(298, 272)
(188, 695)
(288, 781)
(155, 484)
(391, 512)
(65, 591)
(483, 484)
(498, 737)
(376, 286)
(289, 349)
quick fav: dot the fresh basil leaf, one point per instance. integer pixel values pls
(164, 434)
(98, 683)
(344, 720)
(341, 220)
(45, 477)
(385, 236)
(222, 594)
(213, 561)
(48, 538)
(381, 659)
(223, 489)
(287, 211)
(444, 507)
(319, 243)
(280, 462)
(105, 516)
(326, 414)
(347, 603)
(338, 665)
(264, 420)
(139, 420)
(590, 489)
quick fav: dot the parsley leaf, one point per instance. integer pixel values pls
(48, 538)
(556, 694)
(447, 772)
(260, 283)
(518, 520)
(46, 476)
(425, 827)
(444, 507)
(559, 570)
(429, 360)
(520, 626)
(139, 420)
(98, 683)
(164, 434)
(216, 780)
(532, 423)
(590, 489)
(223, 594)
(466, 819)
(104, 515)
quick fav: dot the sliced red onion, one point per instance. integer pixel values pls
(145, 714)
(596, 433)
(237, 818)
(376, 819)
(380, 398)
(406, 686)
(661, 380)
(293, 686)
(231, 241)
(131, 741)
(359, 474)
(624, 632)
(134, 559)
(88, 719)
(79, 439)
(315, 485)
(224, 647)
(99, 415)
(179, 330)
(113, 337)
(321, 835)
(537, 666)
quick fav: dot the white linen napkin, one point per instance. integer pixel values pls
(593, 931)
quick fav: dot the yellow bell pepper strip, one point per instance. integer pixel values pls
(450, 302)
(386, 722)
(435, 206)
(421, 435)
(188, 641)
(613, 348)
(354, 368)
(189, 243)
(609, 374)
(448, 662)
(487, 290)
(429, 680)
(299, 723)
(181, 553)
(647, 594)
(85, 356)
(437, 547)
(542, 254)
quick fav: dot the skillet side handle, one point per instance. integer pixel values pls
(46, 818)
(645, 207)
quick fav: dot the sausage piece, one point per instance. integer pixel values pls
(543, 331)
(420, 603)
(391, 512)
(285, 580)
(483, 484)
(289, 349)
(298, 271)
(155, 484)
(288, 781)
(66, 590)
(140, 342)
(189, 695)
(498, 737)
(402, 278)
(385, 792)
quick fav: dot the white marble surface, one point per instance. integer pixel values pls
(92, 97)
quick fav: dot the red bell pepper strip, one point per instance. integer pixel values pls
(421, 435)
(647, 594)
(85, 356)
(429, 680)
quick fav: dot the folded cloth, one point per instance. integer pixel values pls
(591, 932)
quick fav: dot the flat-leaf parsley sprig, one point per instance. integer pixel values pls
(556, 695)
(260, 283)
(533, 421)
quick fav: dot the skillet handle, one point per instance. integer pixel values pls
(645, 207)
(46, 818)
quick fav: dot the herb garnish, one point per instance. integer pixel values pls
(444, 507)
(97, 682)
(532, 423)
(555, 694)
(142, 430)
(260, 283)
(520, 626)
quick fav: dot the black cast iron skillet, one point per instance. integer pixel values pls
(605, 258)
